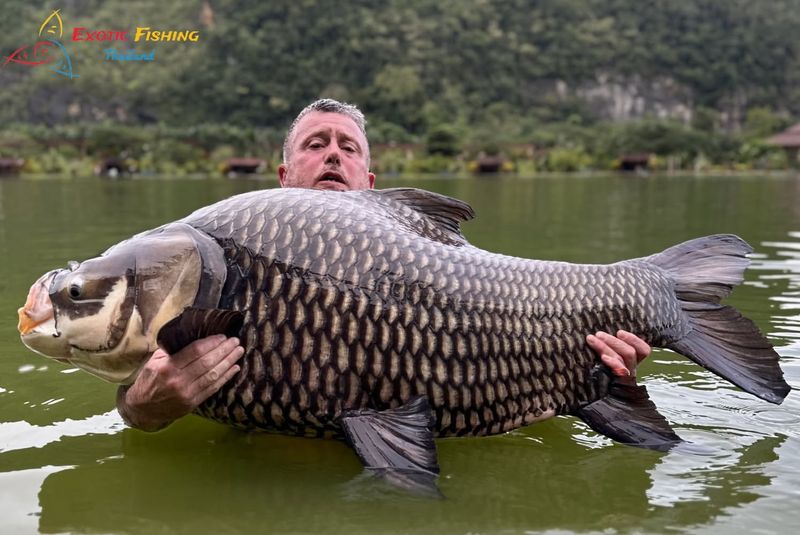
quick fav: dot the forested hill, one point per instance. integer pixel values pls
(414, 63)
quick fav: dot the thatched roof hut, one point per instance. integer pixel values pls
(634, 162)
(11, 166)
(244, 166)
(789, 140)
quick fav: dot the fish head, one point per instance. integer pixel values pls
(104, 314)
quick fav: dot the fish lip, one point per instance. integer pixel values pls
(41, 339)
(46, 327)
(38, 308)
(27, 325)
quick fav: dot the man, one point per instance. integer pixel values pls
(325, 148)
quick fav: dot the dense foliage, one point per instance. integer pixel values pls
(698, 77)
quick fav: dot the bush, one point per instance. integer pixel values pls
(442, 140)
(653, 136)
(111, 140)
(385, 132)
(435, 163)
(567, 159)
(390, 161)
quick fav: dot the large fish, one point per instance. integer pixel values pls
(367, 315)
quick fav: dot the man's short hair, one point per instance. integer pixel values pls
(330, 106)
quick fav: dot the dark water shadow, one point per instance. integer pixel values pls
(230, 482)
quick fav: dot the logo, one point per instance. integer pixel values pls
(130, 55)
(52, 29)
(50, 51)
(82, 34)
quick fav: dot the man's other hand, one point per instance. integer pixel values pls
(621, 353)
(171, 386)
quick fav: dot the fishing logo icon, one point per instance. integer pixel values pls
(48, 51)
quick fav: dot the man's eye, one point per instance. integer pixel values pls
(315, 145)
(349, 148)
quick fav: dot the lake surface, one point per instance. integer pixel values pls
(68, 463)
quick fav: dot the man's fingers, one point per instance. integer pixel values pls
(642, 348)
(623, 349)
(212, 387)
(196, 349)
(211, 359)
(159, 354)
(616, 364)
(621, 353)
(598, 345)
(608, 356)
(213, 374)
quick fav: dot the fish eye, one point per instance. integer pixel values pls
(76, 289)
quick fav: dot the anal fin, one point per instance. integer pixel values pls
(627, 415)
(396, 444)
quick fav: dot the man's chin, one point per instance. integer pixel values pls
(331, 185)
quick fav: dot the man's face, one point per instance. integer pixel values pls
(327, 151)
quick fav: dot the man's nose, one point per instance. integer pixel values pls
(333, 155)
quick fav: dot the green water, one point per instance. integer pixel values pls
(68, 464)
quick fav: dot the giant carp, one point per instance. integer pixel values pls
(367, 316)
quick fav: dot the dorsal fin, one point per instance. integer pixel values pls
(445, 213)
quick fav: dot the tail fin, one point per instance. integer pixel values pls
(705, 270)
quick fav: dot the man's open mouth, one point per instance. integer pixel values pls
(331, 176)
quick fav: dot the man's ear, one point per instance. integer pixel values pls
(283, 169)
(371, 178)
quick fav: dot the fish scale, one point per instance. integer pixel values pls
(371, 304)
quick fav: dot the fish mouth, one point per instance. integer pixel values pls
(45, 340)
(38, 308)
(37, 322)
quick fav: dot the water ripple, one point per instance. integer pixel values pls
(770, 415)
(778, 267)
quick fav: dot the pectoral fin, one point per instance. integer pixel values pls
(196, 323)
(396, 443)
(628, 415)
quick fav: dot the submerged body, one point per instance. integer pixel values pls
(361, 303)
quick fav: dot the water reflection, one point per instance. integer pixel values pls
(694, 491)
(281, 483)
(23, 435)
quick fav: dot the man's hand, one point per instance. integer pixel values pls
(171, 386)
(621, 353)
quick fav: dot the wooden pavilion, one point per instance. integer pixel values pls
(789, 140)
(11, 166)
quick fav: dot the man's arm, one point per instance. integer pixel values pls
(171, 386)
(621, 353)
